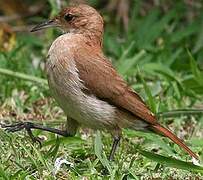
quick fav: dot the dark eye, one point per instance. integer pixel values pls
(68, 17)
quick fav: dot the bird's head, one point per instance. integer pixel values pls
(76, 19)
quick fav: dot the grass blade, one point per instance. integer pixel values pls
(180, 112)
(65, 140)
(196, 72)
(151, 101)
(99, 153)
(23, 76)
(171, 162)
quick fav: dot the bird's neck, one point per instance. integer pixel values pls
(94, 37)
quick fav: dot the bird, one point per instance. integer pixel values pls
(87, 87)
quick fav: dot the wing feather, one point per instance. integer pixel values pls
(101, 79)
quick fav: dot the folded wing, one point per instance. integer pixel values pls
(101, 79)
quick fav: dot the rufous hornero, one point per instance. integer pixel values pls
(87, 87)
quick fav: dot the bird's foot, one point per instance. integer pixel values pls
(20, 126)
(13, 127)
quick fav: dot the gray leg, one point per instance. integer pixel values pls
(71, 126)
(116, 140)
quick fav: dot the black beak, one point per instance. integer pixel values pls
(44, 25)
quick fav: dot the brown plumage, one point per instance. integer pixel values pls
(86, 85)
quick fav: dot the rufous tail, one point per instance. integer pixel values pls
(162, 130)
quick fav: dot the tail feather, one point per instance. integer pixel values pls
(160, 129)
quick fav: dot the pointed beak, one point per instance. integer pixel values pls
(44, 25)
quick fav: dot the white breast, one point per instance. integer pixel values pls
(68, 89)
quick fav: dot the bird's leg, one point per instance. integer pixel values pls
(28, 126)
(116, 140)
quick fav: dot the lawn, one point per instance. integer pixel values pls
(160, 55)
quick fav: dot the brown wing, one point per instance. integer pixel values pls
(102, 80)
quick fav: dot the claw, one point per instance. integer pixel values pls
(28, 126)
(37, 140)
(13, 127)
(20, 126)
(10, 125)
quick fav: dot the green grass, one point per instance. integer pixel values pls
(161, 58)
